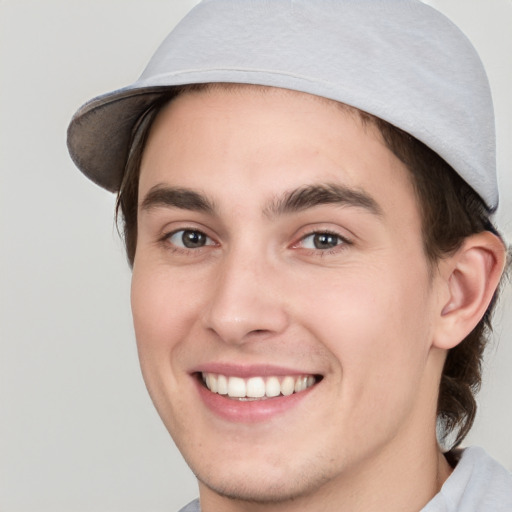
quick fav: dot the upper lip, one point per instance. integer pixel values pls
(253, 370)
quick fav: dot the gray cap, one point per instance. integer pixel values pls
(399, 60)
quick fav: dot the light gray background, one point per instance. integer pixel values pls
(77, 430)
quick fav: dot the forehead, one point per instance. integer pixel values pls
(263, 139)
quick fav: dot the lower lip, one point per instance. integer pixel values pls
(253, 411)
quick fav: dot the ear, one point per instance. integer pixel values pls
(470, 278)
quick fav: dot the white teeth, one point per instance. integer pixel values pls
(288, 386)
(257, 387)
(301, 384)
(236, 387)
(211, 382)
(272, 387)
(222, 385)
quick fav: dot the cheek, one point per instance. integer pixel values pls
(377, 329)
(162, 313)
(162, 320)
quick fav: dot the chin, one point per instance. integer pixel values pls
(262, 483)
(263, 492)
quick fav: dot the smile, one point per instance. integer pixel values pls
(256, 388)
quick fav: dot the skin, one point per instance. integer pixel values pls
(367, 314)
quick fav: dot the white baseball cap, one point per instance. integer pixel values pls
(400, 60)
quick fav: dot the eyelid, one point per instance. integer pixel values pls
(165, 239)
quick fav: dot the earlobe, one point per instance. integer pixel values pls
(472, 275)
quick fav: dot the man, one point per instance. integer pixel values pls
(306, 190)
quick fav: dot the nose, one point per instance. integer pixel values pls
(246, 302)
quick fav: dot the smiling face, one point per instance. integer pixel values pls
(283, 305)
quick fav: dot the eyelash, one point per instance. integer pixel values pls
(342, 244)
(169, 245)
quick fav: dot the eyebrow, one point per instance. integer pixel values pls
(173, 197)
(296, 200)
(309, 196)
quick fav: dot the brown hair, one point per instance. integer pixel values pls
(451, 211)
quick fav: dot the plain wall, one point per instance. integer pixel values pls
(77, 429)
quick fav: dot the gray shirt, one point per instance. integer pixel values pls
(478, 484)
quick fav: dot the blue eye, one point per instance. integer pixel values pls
(321, 241)
(189, 239)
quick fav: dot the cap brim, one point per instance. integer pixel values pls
(100, 133)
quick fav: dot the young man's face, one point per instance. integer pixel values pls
(279, 245)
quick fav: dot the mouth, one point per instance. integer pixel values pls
(257, 388)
